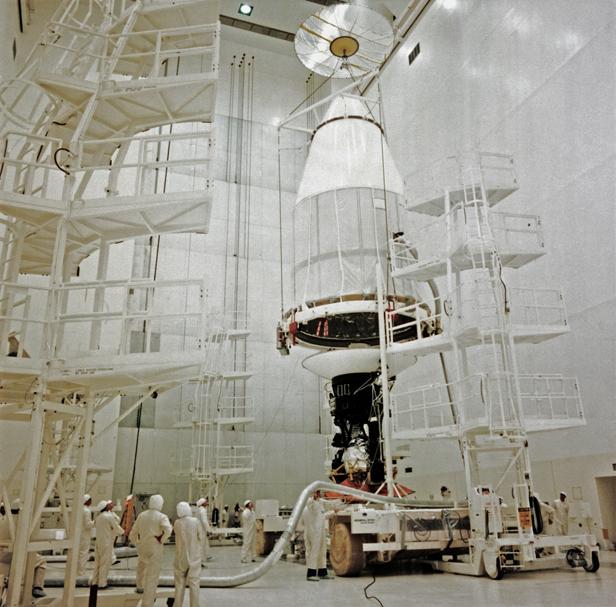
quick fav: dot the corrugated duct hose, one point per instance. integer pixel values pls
(230, 581)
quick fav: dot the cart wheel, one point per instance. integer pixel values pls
(575, 558)
(594, 564)
(495, 572)
(345, 553)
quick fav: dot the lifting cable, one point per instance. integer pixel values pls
(155, 269)
(308, 100)
(228, 178)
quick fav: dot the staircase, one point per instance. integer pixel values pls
(106, 136)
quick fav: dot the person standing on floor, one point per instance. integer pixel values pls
(224, 517)
(149, 533)
(249, 538)
(86, 534)
(315, 539)
(561, 514)
(107, 529)
(204, 518)
(188, 546)
(6, 556)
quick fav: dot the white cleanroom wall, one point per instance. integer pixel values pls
(534, 79)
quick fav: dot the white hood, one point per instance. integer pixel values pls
(156, 502)
(349, 151)
(183, 509)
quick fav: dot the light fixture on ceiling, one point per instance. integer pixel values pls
(245, 9)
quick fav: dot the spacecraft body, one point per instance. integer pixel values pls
(348, 207)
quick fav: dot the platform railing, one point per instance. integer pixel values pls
(235, 407)
(165, 164)
(202, 461)
(497, 171)
(195, 45)
(22, 320)
(444, 410)
(550, 402)
(230, 320)
(24, 104)
(517, 231)
(119, 317)
(424, 412)
(417, 321)
(234, 458)
(74, 51)
(468, 225)
(84, 53)
(477, 306)
(160, 164)
(538, 307)
(28, 166)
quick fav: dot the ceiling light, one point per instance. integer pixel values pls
(245, 9)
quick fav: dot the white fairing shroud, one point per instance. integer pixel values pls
(350, 183)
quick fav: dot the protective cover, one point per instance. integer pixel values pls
(339, 237)
(350, 183)
(349, 151)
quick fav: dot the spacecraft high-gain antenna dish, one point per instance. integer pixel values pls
(345, 40)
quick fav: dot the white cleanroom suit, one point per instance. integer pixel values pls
(6, 556)
(314, 518)
(188, 545)
(561, 516)
(149, 533)
(107, 529)
(249, 540)
(204, 517)
(86, 535)
(315, 535)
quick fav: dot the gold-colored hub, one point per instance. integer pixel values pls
(344, 46)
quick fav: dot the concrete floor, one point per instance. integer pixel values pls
(285, 585)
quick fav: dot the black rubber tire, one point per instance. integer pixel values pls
(537, 518)
(594, 565)
(572, 553)
(345, 553)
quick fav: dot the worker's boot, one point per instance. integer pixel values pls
(312, 576)
(38, 592)
(324, 575)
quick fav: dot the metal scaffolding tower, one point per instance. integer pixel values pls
(85, 164)
(485, 402)
(218, 404)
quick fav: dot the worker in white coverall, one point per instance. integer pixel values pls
(6, 556)
(315, 538)
(249, 538)
(86, 534)
(107, 529)
(188, 545)
(561, 514)
(204, 518)
(149, 533)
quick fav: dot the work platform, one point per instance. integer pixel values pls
(106, 138)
